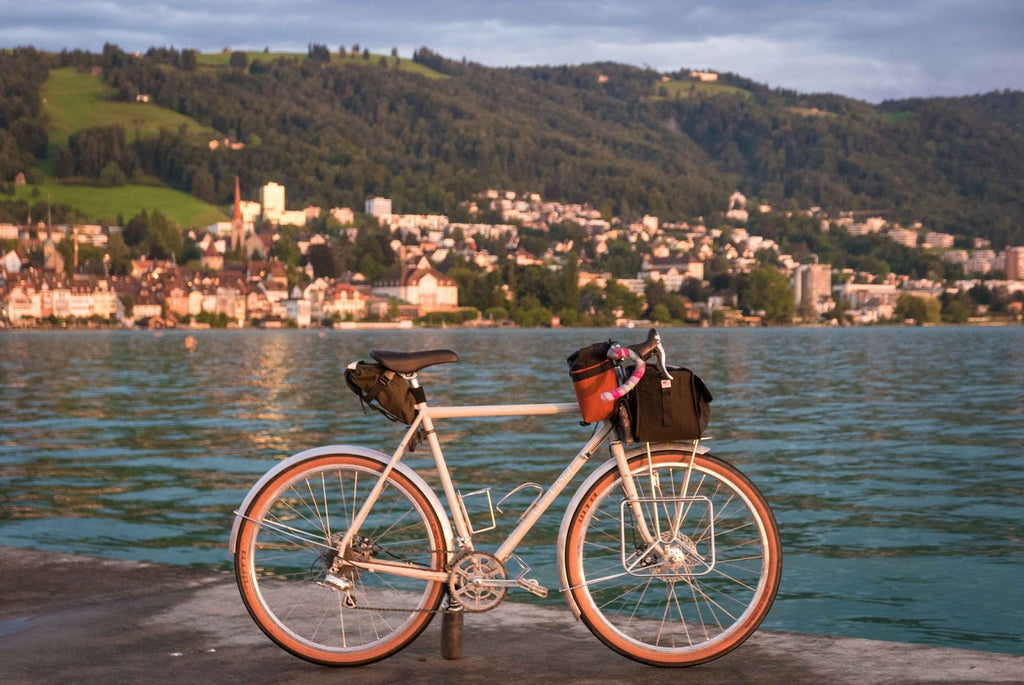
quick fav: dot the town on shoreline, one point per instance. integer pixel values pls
(521, 261)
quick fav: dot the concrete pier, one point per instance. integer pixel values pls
(73, 619)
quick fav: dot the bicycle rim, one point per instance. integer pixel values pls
(707, 584)
(299, 592)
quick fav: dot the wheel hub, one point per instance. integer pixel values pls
(677, 560)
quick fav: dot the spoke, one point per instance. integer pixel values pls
(287, 532)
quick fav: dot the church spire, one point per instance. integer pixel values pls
(237, 225)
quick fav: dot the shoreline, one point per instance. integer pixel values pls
(410, 326)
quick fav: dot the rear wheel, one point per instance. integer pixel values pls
(304, 595)
(705, 581)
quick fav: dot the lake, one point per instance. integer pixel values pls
(892, 457)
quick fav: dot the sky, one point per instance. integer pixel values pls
(873, 50)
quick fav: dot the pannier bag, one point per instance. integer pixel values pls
(381, 389)
(666, 409)
(593, 373)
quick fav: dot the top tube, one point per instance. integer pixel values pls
(485, 410)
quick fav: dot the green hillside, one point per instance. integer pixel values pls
(431, 133)
(223, 59)
(106, 204)
(74, 100)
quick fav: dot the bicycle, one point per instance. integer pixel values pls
(343, 554)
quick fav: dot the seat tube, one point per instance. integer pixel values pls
(462, 528)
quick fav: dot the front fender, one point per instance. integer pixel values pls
(355, 450)
(599, 472)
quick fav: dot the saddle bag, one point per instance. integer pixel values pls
(382, 389)
(666, 409)
(593, 373)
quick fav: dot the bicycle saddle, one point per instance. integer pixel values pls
(411, 362)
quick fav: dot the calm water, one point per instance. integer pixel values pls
(893, 457)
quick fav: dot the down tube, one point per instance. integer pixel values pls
(556, 488)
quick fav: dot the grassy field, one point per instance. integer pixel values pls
(105, 204)
(222, 59)
(675, 90)
(74, 101)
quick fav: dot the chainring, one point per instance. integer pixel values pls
(472, 581)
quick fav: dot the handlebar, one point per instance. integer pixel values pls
(638, 353)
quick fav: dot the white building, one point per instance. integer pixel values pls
(1014, 263)
(903, 236)
(292, 218)
(379, 208)
(343, 215)
(813, 283)
(272, 199)
(936, 239)
(421, 285)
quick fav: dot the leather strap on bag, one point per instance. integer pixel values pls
(666, 402)
(378, 387)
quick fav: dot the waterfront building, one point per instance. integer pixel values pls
(673, 270)
(813, 283)
(420, 285)
(1015, 263)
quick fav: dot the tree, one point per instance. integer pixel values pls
(203, 185)
(619, 298)
(163, 239)
(322, 260)
(238, 60)
(111, 175)
(918, 309)
(808, 310)
(120, 263)
(64, 165)
(769, 291)
(319, 53)
(660, 313)
(958, 307)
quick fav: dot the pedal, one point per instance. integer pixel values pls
(532, 586)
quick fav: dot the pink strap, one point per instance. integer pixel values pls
(618, 354)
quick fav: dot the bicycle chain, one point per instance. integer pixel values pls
(423, 611)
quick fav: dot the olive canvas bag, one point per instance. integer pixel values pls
(383, 390)
(665, 409)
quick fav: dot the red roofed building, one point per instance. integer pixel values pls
(421, 285)
(347, 301)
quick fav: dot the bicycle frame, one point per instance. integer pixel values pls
(425, 419)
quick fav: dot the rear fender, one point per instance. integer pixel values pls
(355, 450)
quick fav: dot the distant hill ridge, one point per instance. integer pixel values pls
(431, 132)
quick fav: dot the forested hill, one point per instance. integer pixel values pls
(431, 132)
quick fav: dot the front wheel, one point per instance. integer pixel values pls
(304, 593)
(702, 579)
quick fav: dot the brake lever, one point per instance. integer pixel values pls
(659, 354)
